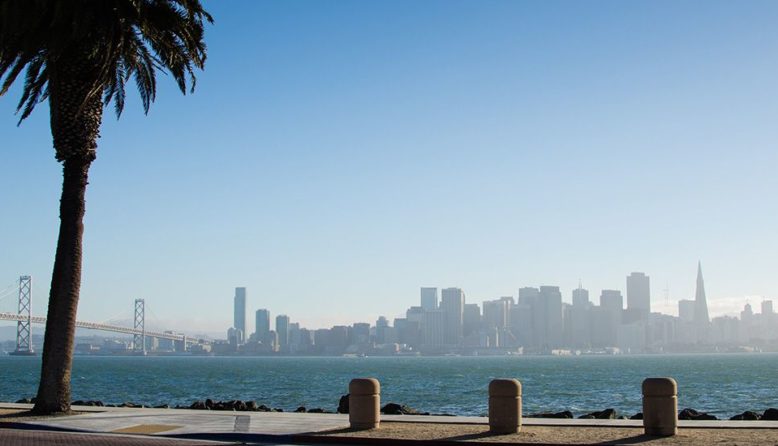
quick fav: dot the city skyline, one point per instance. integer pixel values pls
(213, 326)
(536, 322)
(479, 146)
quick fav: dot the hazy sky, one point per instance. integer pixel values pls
(336, 156)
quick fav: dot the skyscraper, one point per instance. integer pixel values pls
(639, 294)
(262, 320)
(550, 302)
(701, 317)
(282, 328)
(429, 298)
(239, 319)
(453, 303)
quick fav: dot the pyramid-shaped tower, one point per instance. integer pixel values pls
(701, 317)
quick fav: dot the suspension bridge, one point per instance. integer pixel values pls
(24, 320)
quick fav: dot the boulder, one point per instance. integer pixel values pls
(343, 404)
(129, 404)
(563, 414)
(607, 414)
(162, 406)
(263, 408)
(251, 406)
(637, 416)
(747, 416)
(770, 414)
(398, 409)
(300, 409)
(317, 410)
(199, 405)
(691, 414)
(26, 401)
(209, 403)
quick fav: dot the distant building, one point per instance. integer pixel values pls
(471, 319)
(434, 328)
(686, 310)
(282, 329)
(639, 294)
(580, 297)
(239, 319)
(701, 317)
(453, 304)
(262, 324)
(429, 298)
(549, 309)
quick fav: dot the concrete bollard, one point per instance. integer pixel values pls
(660, 407)
(364, 403)
(504, 406)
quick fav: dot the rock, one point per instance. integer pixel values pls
(162, 406)
(277, 410)
(691, 414)
(251, 406)
(317, 410)
(128, 404)
(240, 406)
(263, 408)
(398, 409)
(637, 416)
(199, 405)
(78, 403)
(209, 403)
(25, 401)
(300, 409)
(563, 414)
(343, 404)
(770, 414)
(747, 416)
(607, 414)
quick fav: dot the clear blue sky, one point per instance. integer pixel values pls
(336, 156)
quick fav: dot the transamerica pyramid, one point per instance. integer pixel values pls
(701, 317)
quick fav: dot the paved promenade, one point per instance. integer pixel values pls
(272, 427)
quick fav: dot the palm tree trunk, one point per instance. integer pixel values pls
(54, 389)
(76, 113)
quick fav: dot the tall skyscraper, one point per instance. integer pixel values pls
(282, 328)
(239, 319)
(262, 323)
(429, 298)
(639, 294)
(550, 302)
(453, 303)
(701, 317)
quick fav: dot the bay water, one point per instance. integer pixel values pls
(720, 384)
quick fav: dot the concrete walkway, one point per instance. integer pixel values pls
(271, 426)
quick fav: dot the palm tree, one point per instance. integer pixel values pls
(78, 55)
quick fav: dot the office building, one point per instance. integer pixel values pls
(453, 304)
(239, 317)
(282, 329)
(262, 324)
(639, 294)
(429, 298)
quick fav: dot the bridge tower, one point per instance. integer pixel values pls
(23, 332)
(139, 340)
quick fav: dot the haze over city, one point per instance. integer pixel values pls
(374, 149)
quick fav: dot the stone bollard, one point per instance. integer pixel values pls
(504, 406)
(364, 403)
(660, 407)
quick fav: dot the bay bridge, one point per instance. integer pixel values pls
(24, 320)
